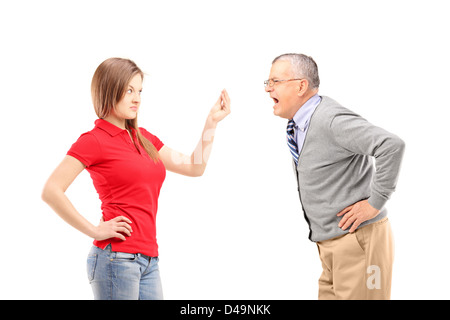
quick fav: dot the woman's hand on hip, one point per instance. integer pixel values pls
(114, 228)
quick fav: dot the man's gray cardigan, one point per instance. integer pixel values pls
(336, 169)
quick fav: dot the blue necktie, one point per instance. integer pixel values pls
(291, 142)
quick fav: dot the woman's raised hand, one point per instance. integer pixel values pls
(221, 108)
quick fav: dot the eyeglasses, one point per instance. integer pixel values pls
(272, 82)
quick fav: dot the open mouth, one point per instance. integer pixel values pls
(275, 100)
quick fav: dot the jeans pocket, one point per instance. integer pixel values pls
(91, 264)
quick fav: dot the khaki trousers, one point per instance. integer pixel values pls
(358, 265)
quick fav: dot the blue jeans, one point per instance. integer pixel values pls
(123, 276)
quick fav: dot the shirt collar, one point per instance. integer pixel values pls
(108, 127)
(303, 115)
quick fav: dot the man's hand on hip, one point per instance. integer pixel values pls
(356, 214)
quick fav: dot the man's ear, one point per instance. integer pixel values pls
(303, 87)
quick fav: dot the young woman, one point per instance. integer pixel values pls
(128, 166)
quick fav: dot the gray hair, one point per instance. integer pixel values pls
(303, 67)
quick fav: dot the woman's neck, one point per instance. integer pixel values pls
(116, 121)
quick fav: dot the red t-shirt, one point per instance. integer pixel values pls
(127, 181)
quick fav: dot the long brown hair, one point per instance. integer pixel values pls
(109, 84)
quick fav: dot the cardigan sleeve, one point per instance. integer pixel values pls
(357, 135)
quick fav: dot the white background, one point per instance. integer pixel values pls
(237, 232)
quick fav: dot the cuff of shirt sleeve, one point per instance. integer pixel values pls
(377, 201)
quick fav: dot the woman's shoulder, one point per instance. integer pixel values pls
(146, 133)
(151, 137)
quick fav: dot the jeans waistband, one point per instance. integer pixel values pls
(148, 258)
(145, 256)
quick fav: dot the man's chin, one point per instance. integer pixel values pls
(277, 112)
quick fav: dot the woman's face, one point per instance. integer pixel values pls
(128, 107)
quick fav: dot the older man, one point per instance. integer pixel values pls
(342, 195)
